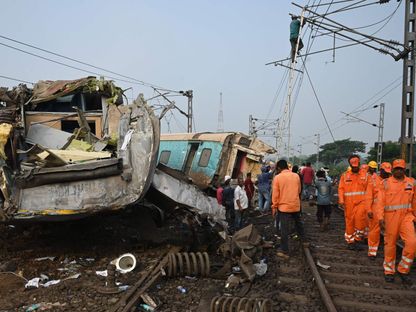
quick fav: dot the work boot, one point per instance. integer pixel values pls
(405, 279)
(351, 246)
(389, 278)
(372, 258)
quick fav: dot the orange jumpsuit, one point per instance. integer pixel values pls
(397, 206)
(355, 192)
(374, 234)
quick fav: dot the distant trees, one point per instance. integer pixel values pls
(335, 152)
(391, 151)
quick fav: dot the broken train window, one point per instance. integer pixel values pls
(164, 157)
(205, 156)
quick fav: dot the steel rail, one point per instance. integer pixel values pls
(326, 298)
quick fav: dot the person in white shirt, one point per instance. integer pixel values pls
(240, 203)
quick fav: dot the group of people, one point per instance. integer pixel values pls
(384, 201)
(372, 202)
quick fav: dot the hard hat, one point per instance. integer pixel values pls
(386, 166)
(355, 162)
(226, 178)
(364, 167)
(399, 163)
(349, 168)
(372, 164)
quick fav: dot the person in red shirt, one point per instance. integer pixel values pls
(308, 176)
(249, 187)
(220, 189)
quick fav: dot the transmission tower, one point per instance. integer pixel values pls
(408, 99)
(220, 127)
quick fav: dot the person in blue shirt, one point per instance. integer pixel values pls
(264, 187)
(294, 34)
(324, 192)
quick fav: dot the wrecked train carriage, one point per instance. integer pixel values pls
(208, 157)
(72, 149)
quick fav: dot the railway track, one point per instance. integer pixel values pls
(354, 282)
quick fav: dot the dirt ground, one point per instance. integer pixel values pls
(86, 246)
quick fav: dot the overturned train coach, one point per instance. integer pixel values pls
(206, 158)
(70, 149)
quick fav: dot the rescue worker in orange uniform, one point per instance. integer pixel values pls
(355, 196)
(371, 169)
(396, 211)
(374, 234)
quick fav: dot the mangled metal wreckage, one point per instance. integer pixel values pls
(69, 149)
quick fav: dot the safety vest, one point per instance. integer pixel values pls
(398, 194)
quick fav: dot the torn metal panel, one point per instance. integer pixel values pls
(48, 137)
(187, 194)
(135, 168)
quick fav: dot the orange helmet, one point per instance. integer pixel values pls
(399, 163)
(354, 161)
(386, 166)
(364, 167)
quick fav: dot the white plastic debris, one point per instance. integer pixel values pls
(102, 273)
(45, 258)
(33, 283)
(50, 283)
(323, 266)
(261, 268)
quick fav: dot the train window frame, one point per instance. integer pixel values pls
(162, 157)
(203, 159)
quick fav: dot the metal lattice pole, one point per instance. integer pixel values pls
(380, 136)
(406, 138)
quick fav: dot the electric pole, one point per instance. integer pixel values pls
(408, 100)
(220, 127)
(380, 135)
(318, 143)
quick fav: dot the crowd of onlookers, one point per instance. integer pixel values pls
(257, 194)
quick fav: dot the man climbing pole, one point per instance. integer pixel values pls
(294, 34)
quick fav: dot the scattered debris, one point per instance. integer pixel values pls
(125, 263)
(45, 258)
(232, 281)
(261, 268)
(102, 273)
(181, 289)
(323, 266)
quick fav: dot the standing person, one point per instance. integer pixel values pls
(396, 210)
(294, 34)
(228, 202)
(286, 200)
(374, 233)
(264, 187)
(240, 203)
(308, 176)
(324, 192)
(220, 189)
(355, 196)
(372, 168)
(249, 187)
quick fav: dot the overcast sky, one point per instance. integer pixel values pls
(212, 47)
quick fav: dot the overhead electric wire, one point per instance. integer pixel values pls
(318, 101)
(66, 65)
(15, 79)
(331, 3)
(137, 81)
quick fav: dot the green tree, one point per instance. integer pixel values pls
(391, 151)
(332, 153)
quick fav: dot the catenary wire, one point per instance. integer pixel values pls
(15, 79)
(141, 82)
